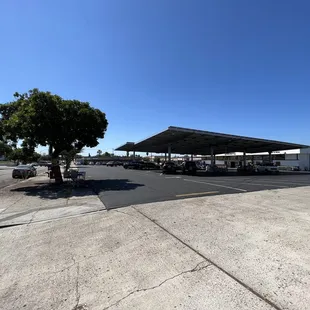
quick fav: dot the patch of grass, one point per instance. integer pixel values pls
(6, 163)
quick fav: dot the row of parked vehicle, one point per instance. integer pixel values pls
(141, 165)
(191, 167)
(259, 168)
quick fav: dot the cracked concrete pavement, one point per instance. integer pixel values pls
(240, 251)
(111, 260)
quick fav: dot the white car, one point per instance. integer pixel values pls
(267, 168)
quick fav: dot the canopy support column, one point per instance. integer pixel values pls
(212, 156)
(169, 152)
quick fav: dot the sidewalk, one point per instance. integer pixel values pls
(239, 251)
(37, 199)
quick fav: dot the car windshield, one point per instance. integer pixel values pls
(23, 167)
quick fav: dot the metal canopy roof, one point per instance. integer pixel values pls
(191, 141)
(128, 146)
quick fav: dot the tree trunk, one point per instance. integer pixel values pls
(50, 150)
(56, 168)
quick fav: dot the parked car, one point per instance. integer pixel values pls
(24, 171)
(189, 167)
(34, 164)
(44, 163)
(249, 168)
(267, 168)
(111, 164)
(296, 168)
(132, 165)
(149, 166)
(216, 169)
(169, 167)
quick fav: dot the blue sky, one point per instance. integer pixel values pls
(240, 67)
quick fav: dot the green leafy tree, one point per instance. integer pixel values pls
(46, 157)
(69, 156)
(46, 119)
(107, 154)
(5, 149)
(42, 118)
(23, 155)
(17, 155)
(99, 152)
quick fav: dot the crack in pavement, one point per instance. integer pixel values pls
(195, 269)
(246, 286)
(32, 217)
(114, 210)
(47, 220)
(77, 293)
(11, 205)
(50, 274)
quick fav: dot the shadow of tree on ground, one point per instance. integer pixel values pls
(83, 188)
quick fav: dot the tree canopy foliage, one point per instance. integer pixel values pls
(23, 155)
(43, 118)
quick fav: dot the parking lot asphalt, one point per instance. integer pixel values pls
(118, 187)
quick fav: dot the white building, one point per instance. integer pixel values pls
(289, 158)
(304, 159)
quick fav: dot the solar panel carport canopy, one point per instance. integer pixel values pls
(191, 141)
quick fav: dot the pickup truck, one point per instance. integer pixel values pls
(267, 168)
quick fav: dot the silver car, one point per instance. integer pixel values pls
(24, 171)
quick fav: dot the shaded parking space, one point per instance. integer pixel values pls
(118, 187)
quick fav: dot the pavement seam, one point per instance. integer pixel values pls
(119, 211)
(32, 217)
(77, 293)
(13, 204)
(50, 220)
(269, 302)
(195, 269)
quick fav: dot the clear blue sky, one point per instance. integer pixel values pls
(240, 67)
